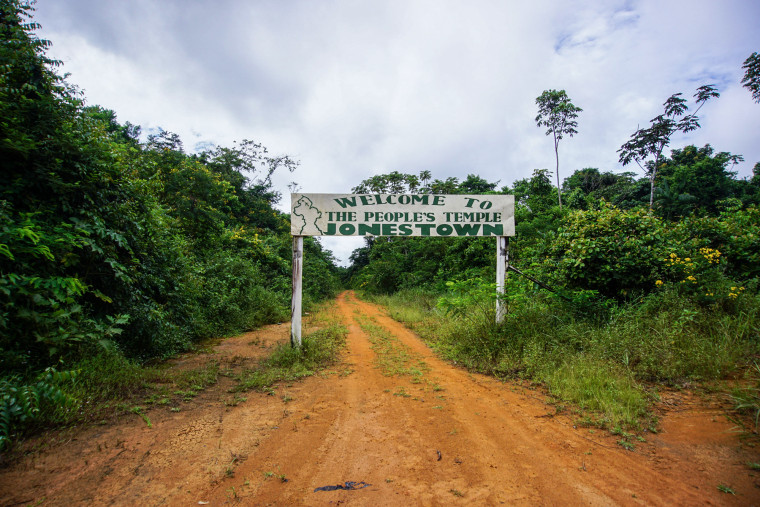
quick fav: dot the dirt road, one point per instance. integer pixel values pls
(438, 437)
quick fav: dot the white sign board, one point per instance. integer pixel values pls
(402, 215)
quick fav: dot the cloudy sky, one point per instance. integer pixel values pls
(352, 88)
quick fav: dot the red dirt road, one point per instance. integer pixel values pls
(450, 438)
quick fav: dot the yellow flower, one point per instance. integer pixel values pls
(687, 259)
(658, 283)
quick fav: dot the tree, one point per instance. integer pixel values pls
(425, 177)
(474, 184)
(391, 183)
(646, 145)
(751, 79)
(702, 174)
(558, 114)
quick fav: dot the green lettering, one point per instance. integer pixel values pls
(346, 201)
(372, 230)
(389, 229)
(493, 230)
(424, 228)
(444, 230)
(347, 229)
(467, 229)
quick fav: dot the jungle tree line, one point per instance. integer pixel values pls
(113, 244)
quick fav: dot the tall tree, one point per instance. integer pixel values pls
(751, 79)
(557, 114)
(646, 145)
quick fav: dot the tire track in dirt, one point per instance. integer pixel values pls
(447, 437)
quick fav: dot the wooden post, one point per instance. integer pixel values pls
(502, 267)
(295, 302)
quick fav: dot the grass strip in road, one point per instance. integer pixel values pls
(393, 357)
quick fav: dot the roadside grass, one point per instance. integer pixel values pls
(108, 384)
(607, 364)
(746, 401)
(319, 349)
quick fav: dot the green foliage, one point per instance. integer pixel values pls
(22, 403)
(751, 79)
(119, 250)
(473, 300)
(747, 399)
(695, 179)
(609, 250)
(622, 253)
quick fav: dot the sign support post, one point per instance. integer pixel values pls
(502, 267)
(295, 302)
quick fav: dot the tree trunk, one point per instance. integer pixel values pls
(556, 156)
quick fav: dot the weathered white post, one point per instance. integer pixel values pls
(502, 266)
(295, 302)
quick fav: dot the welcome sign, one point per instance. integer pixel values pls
(402, 215)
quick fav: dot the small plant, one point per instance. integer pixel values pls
(725, 489)
(456, 493)
(235, 401)
(139, 411)
(402, 392)
(229, 471)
